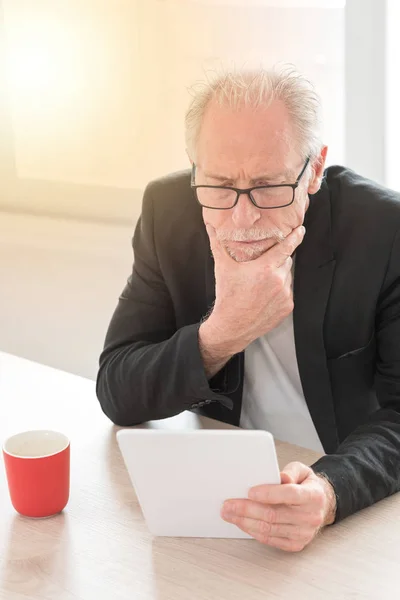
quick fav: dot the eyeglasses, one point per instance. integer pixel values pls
(219, 197)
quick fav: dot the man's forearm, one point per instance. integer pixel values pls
(365, 467)
(215, 351)
(330, 514)
(141, 381)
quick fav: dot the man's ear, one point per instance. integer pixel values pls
(318, 167)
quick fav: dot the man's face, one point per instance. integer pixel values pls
(245, 148)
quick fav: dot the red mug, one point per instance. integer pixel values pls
(37, 466)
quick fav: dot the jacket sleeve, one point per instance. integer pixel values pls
(149, 369)
(366, 466)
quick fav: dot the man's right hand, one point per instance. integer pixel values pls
(252, 298)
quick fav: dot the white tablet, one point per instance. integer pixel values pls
(181, 478)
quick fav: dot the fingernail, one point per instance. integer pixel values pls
(285, 478)
(228, 510)
(303, 229)
(253, 494)
(227, 516)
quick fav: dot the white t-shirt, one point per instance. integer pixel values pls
(273, 397)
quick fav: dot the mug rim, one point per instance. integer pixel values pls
(38, 431)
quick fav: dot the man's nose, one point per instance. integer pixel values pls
(245, 214)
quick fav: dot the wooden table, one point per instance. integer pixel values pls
(99, 547)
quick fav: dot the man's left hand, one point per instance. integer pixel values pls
(287, 515)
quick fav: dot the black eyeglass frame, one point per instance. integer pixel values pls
(247, 191)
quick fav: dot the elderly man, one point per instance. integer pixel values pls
(291, 323)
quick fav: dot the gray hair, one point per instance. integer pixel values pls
(257, 87)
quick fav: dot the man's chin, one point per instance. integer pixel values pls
(245, 252)
(242, 256)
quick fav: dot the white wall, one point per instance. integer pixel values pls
(365, 86)
(392, 112)
(107, 81)
(97, 96)
(60, 281)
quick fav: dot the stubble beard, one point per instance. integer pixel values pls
(263, 241)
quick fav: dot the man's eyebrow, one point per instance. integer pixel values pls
(283, 176)
(266, 177)
(217, 177)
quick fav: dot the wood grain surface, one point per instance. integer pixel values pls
(99, 547)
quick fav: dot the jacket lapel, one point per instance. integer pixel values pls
(314, 270)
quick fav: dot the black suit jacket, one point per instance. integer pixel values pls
(346, 325)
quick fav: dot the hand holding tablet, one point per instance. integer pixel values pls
(183, 477)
